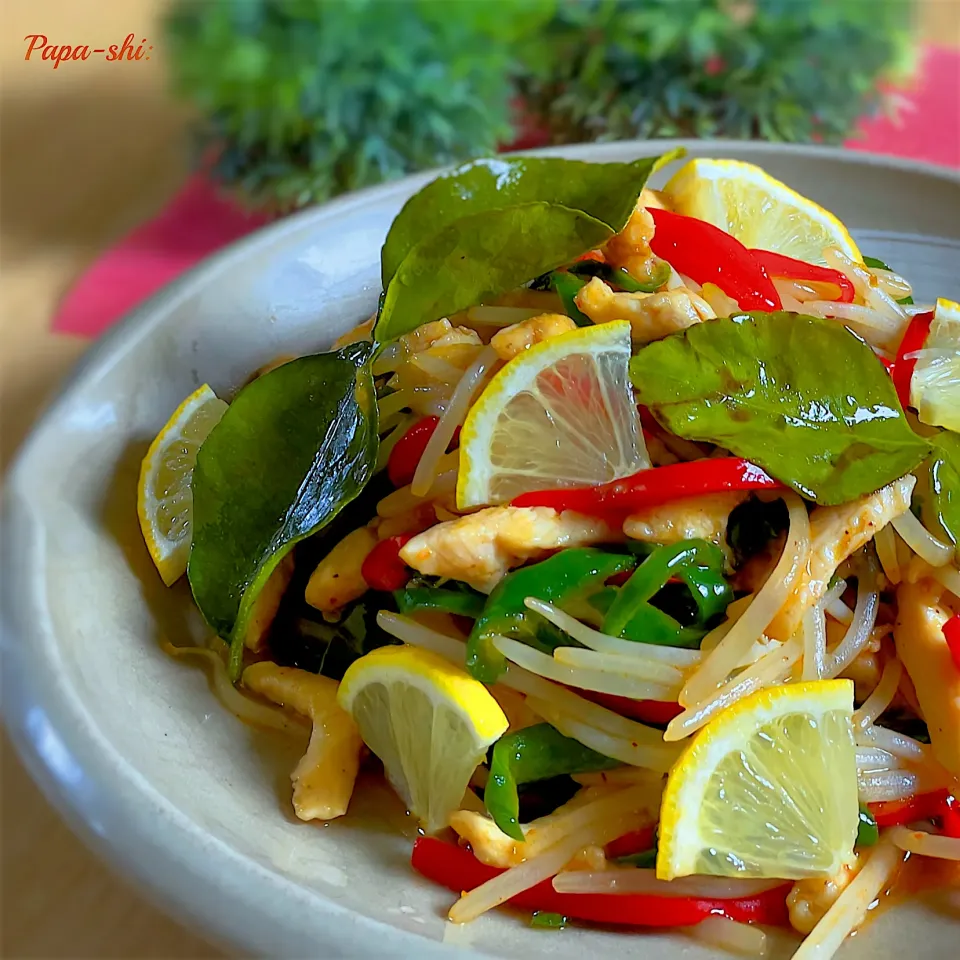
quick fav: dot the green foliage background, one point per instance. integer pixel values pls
(302, 99)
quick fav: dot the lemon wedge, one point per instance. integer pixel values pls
(164, 498)
(761, 212)
(429, 722)
(766, 789)
(935, 385)
(560, 414)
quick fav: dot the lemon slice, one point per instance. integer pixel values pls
(560, 414)
(164, 499)
(766, 789)
(935, 385)
(762, 213)
(429, 722)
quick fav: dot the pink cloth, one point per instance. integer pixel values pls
(198, 221)
(928, 125)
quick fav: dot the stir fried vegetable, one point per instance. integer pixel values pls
(457, 599)
(459, 870)
(620, 279)
(650, 488)
(906, 362)
(708, 255)
(778, 265)
(697, 564)
(568, 576)
(534, 753)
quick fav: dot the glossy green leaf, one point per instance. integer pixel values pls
(480, 256)
(604, 191)
(294, 448)
(943, 507)
(804, 398)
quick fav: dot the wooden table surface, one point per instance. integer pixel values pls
(87, 151)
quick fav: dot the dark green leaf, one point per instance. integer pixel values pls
(294, 448)
(480, 256)
(943, 505)
(605, 191)
(804, 398)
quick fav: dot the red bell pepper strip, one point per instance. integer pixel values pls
(950, 818)
(913, 340)
(659, 712)
(595, 255)
(459, 870)
(658, 485)
(383, 569)
(636, 841)
(778, 265)
(404, 457)
(709, 255)
(938, 805)
(951, 633)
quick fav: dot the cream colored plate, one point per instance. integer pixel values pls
(132, 747)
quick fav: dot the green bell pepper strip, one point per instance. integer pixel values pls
(544, 920)
(620, 279)
(567, 286)
(534, 753)
(868, 833)
(646, 860)
(464, 603)
(560, 579)
(699, 565)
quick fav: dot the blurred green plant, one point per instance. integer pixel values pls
(300, 100)
(304, 99)
(795, 70)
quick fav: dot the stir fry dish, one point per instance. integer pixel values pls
(624, 537)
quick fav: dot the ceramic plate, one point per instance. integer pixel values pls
(131, 746)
